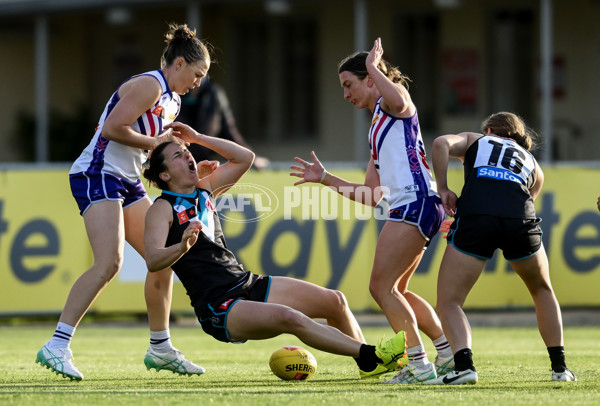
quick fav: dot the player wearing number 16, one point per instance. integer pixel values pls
(495, 210)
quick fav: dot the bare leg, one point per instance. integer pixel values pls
(105, 230)
(427, 319)
(535, 273)
(316, 302)
(158, 289)
(399, 246)
(249, 320)
(458, 274)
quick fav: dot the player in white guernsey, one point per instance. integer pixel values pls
(105, 181)
(399, 173)
(495, 210)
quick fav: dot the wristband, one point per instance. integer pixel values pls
(323, 175)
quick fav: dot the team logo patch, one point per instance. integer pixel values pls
(375, 119)
(185, 215)
(209, 205)
(159, 111)
(225, 305)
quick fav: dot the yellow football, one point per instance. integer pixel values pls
(293, 364)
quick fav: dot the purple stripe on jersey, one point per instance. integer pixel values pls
(97, 162)
(373, 138)
(165, 81)
(140, 122)
(385, 132)
(150, 117)
(411, 130)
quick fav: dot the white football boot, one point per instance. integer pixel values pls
(59, 360)
(172, 360)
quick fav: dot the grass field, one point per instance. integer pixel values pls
(512, 363)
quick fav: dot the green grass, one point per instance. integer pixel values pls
(512, 363)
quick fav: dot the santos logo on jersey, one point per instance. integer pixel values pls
(500, 174)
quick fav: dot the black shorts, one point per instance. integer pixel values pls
(213, 315)
(481, 235)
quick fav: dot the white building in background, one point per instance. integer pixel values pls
(277, 59)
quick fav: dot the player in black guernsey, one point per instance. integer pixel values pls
(495, 210)
(232, 304)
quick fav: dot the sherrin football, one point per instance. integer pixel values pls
(293, 364)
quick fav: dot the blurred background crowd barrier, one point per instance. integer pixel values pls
(278, 229)
(277, 62)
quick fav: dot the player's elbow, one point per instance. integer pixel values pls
(153, 264)
(152, 267)
(247, 159)
(440, 143)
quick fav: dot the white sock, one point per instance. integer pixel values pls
(160, 341)
(417, 357)
(62, 336)
(443, 347)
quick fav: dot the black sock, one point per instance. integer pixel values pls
(463, 360)
(557, 358)
(367, 360)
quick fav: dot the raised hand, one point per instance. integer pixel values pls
(308, 172)
(205, 168)
(375, 54)
(183, 131)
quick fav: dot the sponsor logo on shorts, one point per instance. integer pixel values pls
(225, 304)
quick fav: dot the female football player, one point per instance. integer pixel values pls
(495, 210)
(183, 232)
(113, 202)
(398, 172)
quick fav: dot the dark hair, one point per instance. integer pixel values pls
(182, 42)
(510, 125)
(356, 64)
(156, 166)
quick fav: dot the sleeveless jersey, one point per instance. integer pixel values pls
(498, 175)
(208, 269)
(122, 161)
(398, 152)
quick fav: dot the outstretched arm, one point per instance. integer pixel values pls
(368, 193)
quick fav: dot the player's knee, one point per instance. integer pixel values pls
(440, 309)
(541, 290)
(107, 270)
(337, 301)
(290, 319)
(377, 290)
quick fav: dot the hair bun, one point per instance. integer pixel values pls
(179, 32)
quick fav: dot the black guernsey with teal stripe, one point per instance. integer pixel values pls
(209, 269)
(498, 175)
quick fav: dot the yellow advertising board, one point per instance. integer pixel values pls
(307, 232)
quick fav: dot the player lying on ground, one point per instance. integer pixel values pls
(232, 304)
